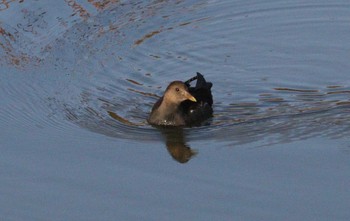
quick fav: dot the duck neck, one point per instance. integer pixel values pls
(167, 108)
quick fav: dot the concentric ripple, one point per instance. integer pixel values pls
(274, 78)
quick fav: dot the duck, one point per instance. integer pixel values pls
(183, 105)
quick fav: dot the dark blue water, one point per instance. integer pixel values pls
(78, 80)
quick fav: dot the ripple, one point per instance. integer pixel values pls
(237, 123)
(26, 104)
(275, 79)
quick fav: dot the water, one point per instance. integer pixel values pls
(79, 79)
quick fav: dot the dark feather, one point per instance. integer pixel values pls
(182, 111)
(196, 112)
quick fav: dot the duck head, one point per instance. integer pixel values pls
(177, 92)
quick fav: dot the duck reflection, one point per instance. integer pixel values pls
(174, 139)
(176, 144)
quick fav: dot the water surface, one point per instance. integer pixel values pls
(78, 80)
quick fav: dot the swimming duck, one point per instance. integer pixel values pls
(183, 105)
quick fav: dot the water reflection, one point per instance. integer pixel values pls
(176, 144)
(174, 137)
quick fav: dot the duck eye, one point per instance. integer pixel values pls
(177, 89)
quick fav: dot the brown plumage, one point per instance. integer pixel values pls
(183, 105)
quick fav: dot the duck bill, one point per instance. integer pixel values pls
(190, 97)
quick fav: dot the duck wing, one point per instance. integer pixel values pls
(196, 112)
(202, 90)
